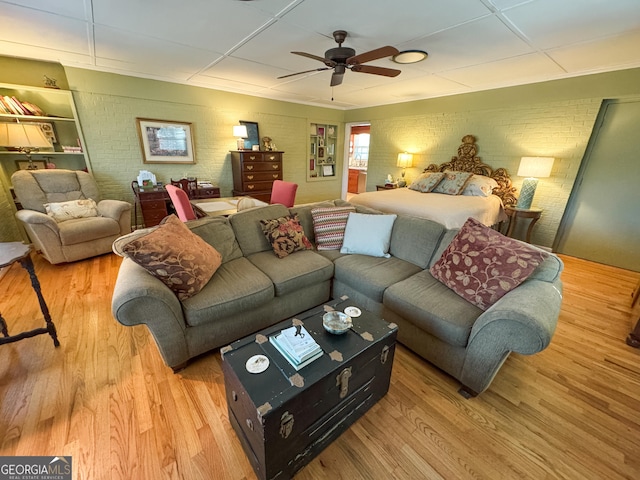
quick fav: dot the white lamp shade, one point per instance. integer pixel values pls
(536, 167)
(405, 160)
(240, 131)
(23, 135)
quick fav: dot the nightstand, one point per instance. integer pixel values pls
(514, 213)
(386, 186)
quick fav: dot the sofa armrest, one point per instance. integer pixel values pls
(522, 321)
(139, 298)
(119, 211)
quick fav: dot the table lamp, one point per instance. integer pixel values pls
(26, 137)
(405, 160)
(532, 168)
(240, 131)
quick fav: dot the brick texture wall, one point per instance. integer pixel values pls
(503, 136)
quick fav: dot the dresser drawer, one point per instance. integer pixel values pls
(152, 204)
(261, 166)
(257, 186)
(261, 176)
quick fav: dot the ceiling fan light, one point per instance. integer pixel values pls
(410, 56)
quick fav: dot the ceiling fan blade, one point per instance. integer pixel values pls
(306, 71)
(336, 79)
(385, 72)
(327, 62)
(372, 55)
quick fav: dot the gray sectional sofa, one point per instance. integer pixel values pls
(253, 289)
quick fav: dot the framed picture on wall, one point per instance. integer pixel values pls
(253, 137)
(327, 171)
(312, 164)
(165, 142)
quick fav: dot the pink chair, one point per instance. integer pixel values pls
(283, 193)
(181, 203)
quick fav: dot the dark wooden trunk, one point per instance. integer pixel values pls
(284, 417)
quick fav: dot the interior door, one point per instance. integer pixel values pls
(602, 219)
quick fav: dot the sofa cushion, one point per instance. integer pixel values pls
(285, 235)
(482, 265)
(217, 232)
(63, 211)
(433, 307)
(238, 286)
(415, 239)
(179, 258)
(248, 230)
(368, 234)
(378, 273)
(329, 225)
(293, 272)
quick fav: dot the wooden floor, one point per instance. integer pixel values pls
(105, 398)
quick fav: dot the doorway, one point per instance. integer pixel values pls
(356, 153)
(602, 221)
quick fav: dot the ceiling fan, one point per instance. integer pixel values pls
(342, 58)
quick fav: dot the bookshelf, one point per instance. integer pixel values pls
(59, 119)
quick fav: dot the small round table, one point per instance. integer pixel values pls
(10, 253)
(514, 213)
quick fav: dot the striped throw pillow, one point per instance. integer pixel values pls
(328, 225)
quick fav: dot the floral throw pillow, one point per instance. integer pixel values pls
(482, 265)
(452, 183)
(286, 235)
(63, 211)
(178, 257)
(426, 182)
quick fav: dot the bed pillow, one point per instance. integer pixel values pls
(479, 186)
(178, 257)
(368, 234)
(452, 183)
(482, 265)
(426, 182)
(328, 226)
(286, 235)
(63, 211)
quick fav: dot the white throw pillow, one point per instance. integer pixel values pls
(479, 186)
(368, 234)
(63, 211)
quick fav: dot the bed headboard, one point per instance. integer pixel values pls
(466, 161)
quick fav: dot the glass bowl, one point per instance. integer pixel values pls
(336, 322)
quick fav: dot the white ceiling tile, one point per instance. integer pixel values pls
(66, 8)
(524, 69)
(40, 29)
(620, 51)
(551, 23)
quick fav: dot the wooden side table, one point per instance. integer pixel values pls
(514, 213)
(387, 186)
(10, 253)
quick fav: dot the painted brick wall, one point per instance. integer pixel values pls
(503, 135)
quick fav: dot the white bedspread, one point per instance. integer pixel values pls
(449, 210)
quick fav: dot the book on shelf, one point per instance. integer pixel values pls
(297, 346)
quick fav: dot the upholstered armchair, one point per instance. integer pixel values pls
(61, 218)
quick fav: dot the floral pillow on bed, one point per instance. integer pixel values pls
(479, 186)
(453, 182)
(426, 182)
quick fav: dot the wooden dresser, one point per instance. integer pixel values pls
(254, 173)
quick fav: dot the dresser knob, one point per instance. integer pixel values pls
(252, 157)
(275, 166)
(249, 167)
(249, 177)
(275, 175)
(250, 187)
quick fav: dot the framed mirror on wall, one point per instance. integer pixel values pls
(253, 136)
(322, 151)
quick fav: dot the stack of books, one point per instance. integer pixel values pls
(297, 346)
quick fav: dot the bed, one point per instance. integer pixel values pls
(449, 210)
